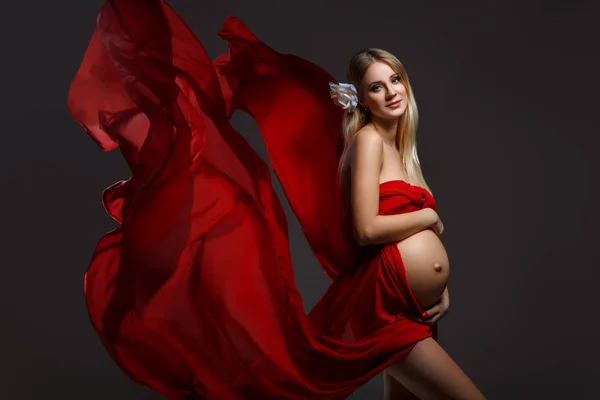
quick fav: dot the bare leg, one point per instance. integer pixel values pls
(430, 374)
(393, 389)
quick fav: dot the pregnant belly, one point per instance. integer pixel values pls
(427, 266)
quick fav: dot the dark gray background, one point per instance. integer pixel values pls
(508, 98)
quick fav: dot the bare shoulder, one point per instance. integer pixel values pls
(368, 141)
(365, 171)
(368, 135)
(367, 159)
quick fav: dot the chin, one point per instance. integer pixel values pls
(391, 114)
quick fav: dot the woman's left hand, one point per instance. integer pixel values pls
(437, 312)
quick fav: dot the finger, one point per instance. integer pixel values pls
(433, 310)
(420, 320)
(430, 313)
(435, 318)
(428, 317)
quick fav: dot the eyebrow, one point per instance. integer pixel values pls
(394, 74)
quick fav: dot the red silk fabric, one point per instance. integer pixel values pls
(194, 295)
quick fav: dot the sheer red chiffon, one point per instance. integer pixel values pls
(193, 295)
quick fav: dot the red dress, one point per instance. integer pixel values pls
(193, 295)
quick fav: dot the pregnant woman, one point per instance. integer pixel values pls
(193, 294)
(379, 162)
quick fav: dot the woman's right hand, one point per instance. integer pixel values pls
(436, 225)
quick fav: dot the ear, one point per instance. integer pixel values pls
(361, 101)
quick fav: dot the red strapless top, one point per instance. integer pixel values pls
(398, 196)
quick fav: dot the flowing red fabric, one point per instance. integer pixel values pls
(193, 294)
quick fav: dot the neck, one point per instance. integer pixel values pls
(387, 128)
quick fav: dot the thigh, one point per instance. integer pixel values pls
(430, 373)
(393, 389)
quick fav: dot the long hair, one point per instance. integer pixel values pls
(407, 127)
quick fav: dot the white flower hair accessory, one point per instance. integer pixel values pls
(344, 95)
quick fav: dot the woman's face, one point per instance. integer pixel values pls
(382, 92)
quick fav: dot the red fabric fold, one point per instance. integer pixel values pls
(194, 295)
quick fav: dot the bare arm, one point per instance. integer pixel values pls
(369, 227)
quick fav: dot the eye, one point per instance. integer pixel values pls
(395, 80)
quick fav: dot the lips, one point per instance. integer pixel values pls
(394, 103)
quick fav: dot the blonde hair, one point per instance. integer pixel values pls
(407, 126)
